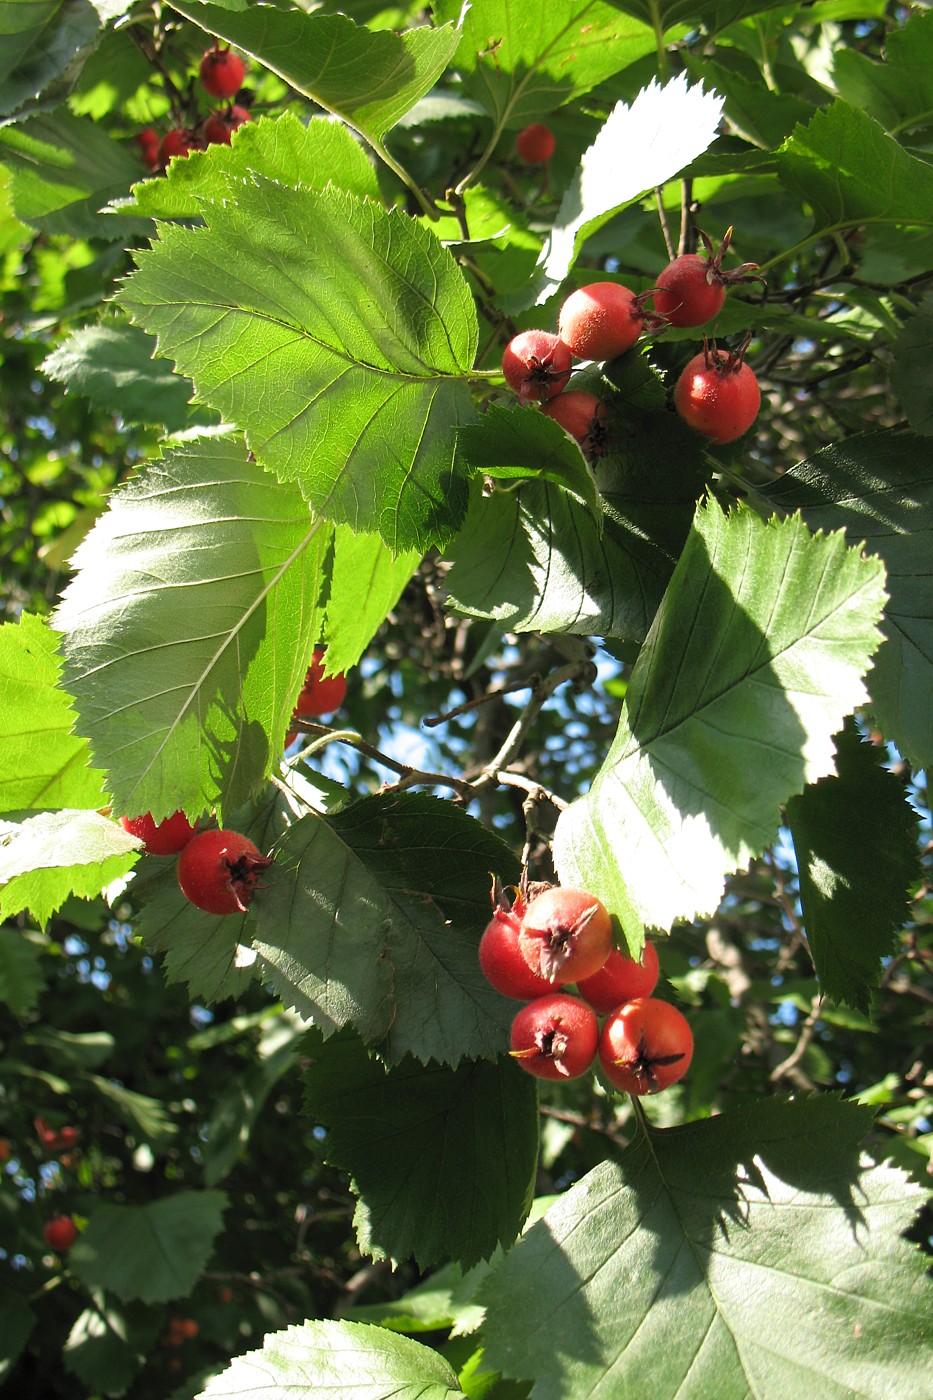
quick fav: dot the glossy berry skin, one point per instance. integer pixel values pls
(583, 416)
(60, 1233)
(165, 838)
(537, 365)
(555, 1037)
(219, 870)
(620, 979)
(536, 144)
(600, 321)
(645, 1046)
(565, 934)
(221, 72)
(690, 292)
(718, 395)
(220, 126)
(148, 142)
(174, 143)
(501, 959)
(320, 694)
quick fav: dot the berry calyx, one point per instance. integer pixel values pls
(555, 1037)
(176, 142)
(718, 394)
(583, 416)
(536, 144)
(537, 365)
(221, 72)
(565, 934)
(220, 126)
(692, 288)
(60, 1233)
(500, 956)
(602, 320)
(645, 1046)
(219, 870)
(163, 838)
(620, 979)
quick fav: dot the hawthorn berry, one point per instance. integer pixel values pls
(320, 694)
(718, 394)
(583, 416)
(692, 288)
(163, 838)
(220, 126)
(645, 1046)
(601, 320)
(219, 870)
(221, 72)
(555, 1037)
(620, 979)
(536, 144)
(60, 1233)
(176, 142)
(148, 142)
(565, 934)
(536, 364)
(501, 958)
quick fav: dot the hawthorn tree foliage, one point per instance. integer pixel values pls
(252, 405)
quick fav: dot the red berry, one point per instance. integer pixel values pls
(60, 1233)
(645, 1046)
(601, 320)
(221, 72)
(690, 292)
(555, 1037)
(501, 958)
(535, 144)
(220, 126)
(583, 416)
(176, 142)
(718, 395)
(565, 934)
(219, 870)
(536, 364)
(68, 1136)
(163, 838)
(47, 1135)
(320, 694)
(148, 142)
(620, 979)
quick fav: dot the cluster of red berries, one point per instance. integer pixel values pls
(179, 1331)
(221, 76)
(55, 1139)
(218, 870)
(717, 393)
(561, 936)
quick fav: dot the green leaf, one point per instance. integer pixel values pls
(42, 764)
(366, 582)
(899, 92)
(315, 153)
(363, 321)
(754, 111)
(105, 1350)
(443, 1160)
(663, 130)
(65, 169)
(153, 1252)
(240, 1105)
(513, 442)
(713, 15)
(21, 979)
(81, 850)
(39, 42)
(188, 628)
(203, 950)
(86, 1050)
(856, 841)
(851, 171)
(752, 662)
(115, 365)
(149, 1118)
(370, 78)
(748, 1254)
(878, 487)
(17, 1321)
(523, 58)
(911, 375)
(373, 918)
(344, 1360)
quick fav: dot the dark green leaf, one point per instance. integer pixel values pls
(153, 1252)
(21, 978)
(39, 42)
(443, 1160)
(912, 372)
(856, 841)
